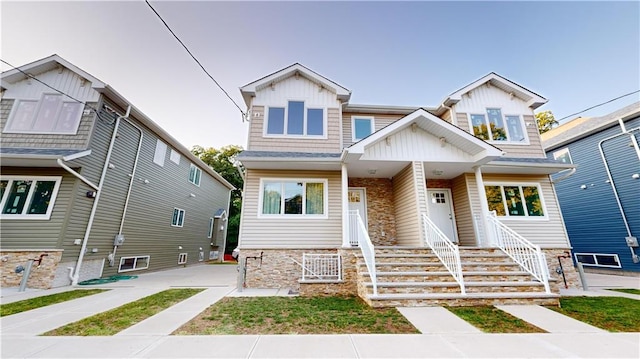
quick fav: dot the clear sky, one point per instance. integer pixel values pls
(576, 54)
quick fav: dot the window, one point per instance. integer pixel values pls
(194, 175)
(178, 217)
(128, 264)
(28, 197)
(562, 155)
(515, 200)
(174, 157)
(51, 114)
(294, 197)
(361, 127)
(295, 120)
(210, 233)
(598, 260)
(182, 258)
(492, 126)
(161, 151)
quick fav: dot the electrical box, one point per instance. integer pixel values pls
(119, 240)
(632, 242)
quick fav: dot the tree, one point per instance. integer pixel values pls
(223, 161)
(545, 121)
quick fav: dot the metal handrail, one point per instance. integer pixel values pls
(528, 255)
(445, 250)
(321, 267)
(366, 247)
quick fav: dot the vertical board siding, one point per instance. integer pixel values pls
(258, 142)
(406, 206)
(297, 89)
(462, 209)
(289, 232)
(547, 233)
(379, 121)
(66, 81)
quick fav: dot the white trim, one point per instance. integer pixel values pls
(179, 223)
(135, 263)
(63, 100)
(523, 126)
(284, 134)
(526, 217)
(196, 178)
(451, 207)
(182, 258)
(160, 153)
(561, 152)
(27, 203)
(364, 199)
(174, 156)
(325, 199)
(353, 126)
(595, 259)
(210, 233)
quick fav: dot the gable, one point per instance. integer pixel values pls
(298, 88)
(489, 96)
(59, 77)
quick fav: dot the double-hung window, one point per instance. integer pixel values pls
(295, 120)
(178, 218)
(293, 197)
(194, 175)
(361, 127)
(52, 114)
(515, 200)
(28, 197)
(493, 126)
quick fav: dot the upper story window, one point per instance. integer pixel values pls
(159, 155)
(295, 120)
(178, 217)
(194, 174)
(174, 156)
(562, 155)
(361, 127)
(493, 126)
(28, 197)
(515, 200)
(294, 197)
(49, 115)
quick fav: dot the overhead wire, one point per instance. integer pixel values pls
(598, 105)
(244, 115)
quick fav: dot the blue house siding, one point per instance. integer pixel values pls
(592, 216)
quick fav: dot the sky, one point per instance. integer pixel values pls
(576, 54)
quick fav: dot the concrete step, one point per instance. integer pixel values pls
(458, 299)
(454, 287)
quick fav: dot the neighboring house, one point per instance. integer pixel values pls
(601, 201)
(358, 194)
(93, 187)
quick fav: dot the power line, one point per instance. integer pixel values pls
(196, 60)
(598, 105)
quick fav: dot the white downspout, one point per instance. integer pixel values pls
(345, 207)
(484, 207)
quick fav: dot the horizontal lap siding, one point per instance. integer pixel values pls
(462, 209)
(290, 232)
(380, 121)
(406, 205)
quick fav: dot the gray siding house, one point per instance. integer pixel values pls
(601, 200)
(94, 188)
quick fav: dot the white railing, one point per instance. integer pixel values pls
(444, 249)
(528, 255)
(358, 230)
(321, 267)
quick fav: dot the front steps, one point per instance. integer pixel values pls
(415, 277)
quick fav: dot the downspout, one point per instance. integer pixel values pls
(567, 175)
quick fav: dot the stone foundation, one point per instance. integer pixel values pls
(41, 276)
(570, 272)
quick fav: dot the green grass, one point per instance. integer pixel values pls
(33, 303)
(626, 290)
(295, 315)
(118, 319)
(615, 314)
(494, 320)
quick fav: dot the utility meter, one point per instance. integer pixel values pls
(119, 240)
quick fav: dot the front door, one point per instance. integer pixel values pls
(441, 211)
(358, 201)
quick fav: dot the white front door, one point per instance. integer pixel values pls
(358, 201)
(441, 211)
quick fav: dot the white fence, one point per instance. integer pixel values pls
(445, 249)
(358, 230)
(321, 267)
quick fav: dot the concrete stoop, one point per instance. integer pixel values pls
(415, 277)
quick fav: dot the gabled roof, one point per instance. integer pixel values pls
(532, 99)
(44, 65)
(582, 127)
(249, 90)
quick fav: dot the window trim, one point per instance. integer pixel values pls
(526, 217)
(561, 152)
(353, 126)
(196, 178)
(52, 201)
(158, 158)
(14, 109)
(211, 225)
(325, 199)
(304, 121)
(595, 259)
(178, 224)
(183, 257)
(174, 156)
(120, 270)
(523, 125)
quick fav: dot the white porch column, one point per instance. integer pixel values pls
(345, 206)
(484, 208)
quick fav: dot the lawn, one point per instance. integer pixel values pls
(118, 319)
(615, 314)
(33, 303)
(494, 320)
(296, 315)
(626, 290)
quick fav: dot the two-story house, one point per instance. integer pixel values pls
(449, 204)
(91, 187)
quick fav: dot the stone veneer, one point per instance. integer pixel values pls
(380, 209)
(570, 271)
(41, 276)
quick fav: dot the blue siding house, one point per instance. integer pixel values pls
(600, 202)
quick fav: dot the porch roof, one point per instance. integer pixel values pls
(38, 157)
(290, 160)
(519, 165)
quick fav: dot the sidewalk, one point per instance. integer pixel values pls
(444, 334)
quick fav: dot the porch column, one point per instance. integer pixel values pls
(345, 206)
(484, 207)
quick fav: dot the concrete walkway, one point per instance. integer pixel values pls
(444, 334)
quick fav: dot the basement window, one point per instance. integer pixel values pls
(598, 260)
(182, 258)
(128, 264)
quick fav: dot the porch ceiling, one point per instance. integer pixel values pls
(388, 169)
